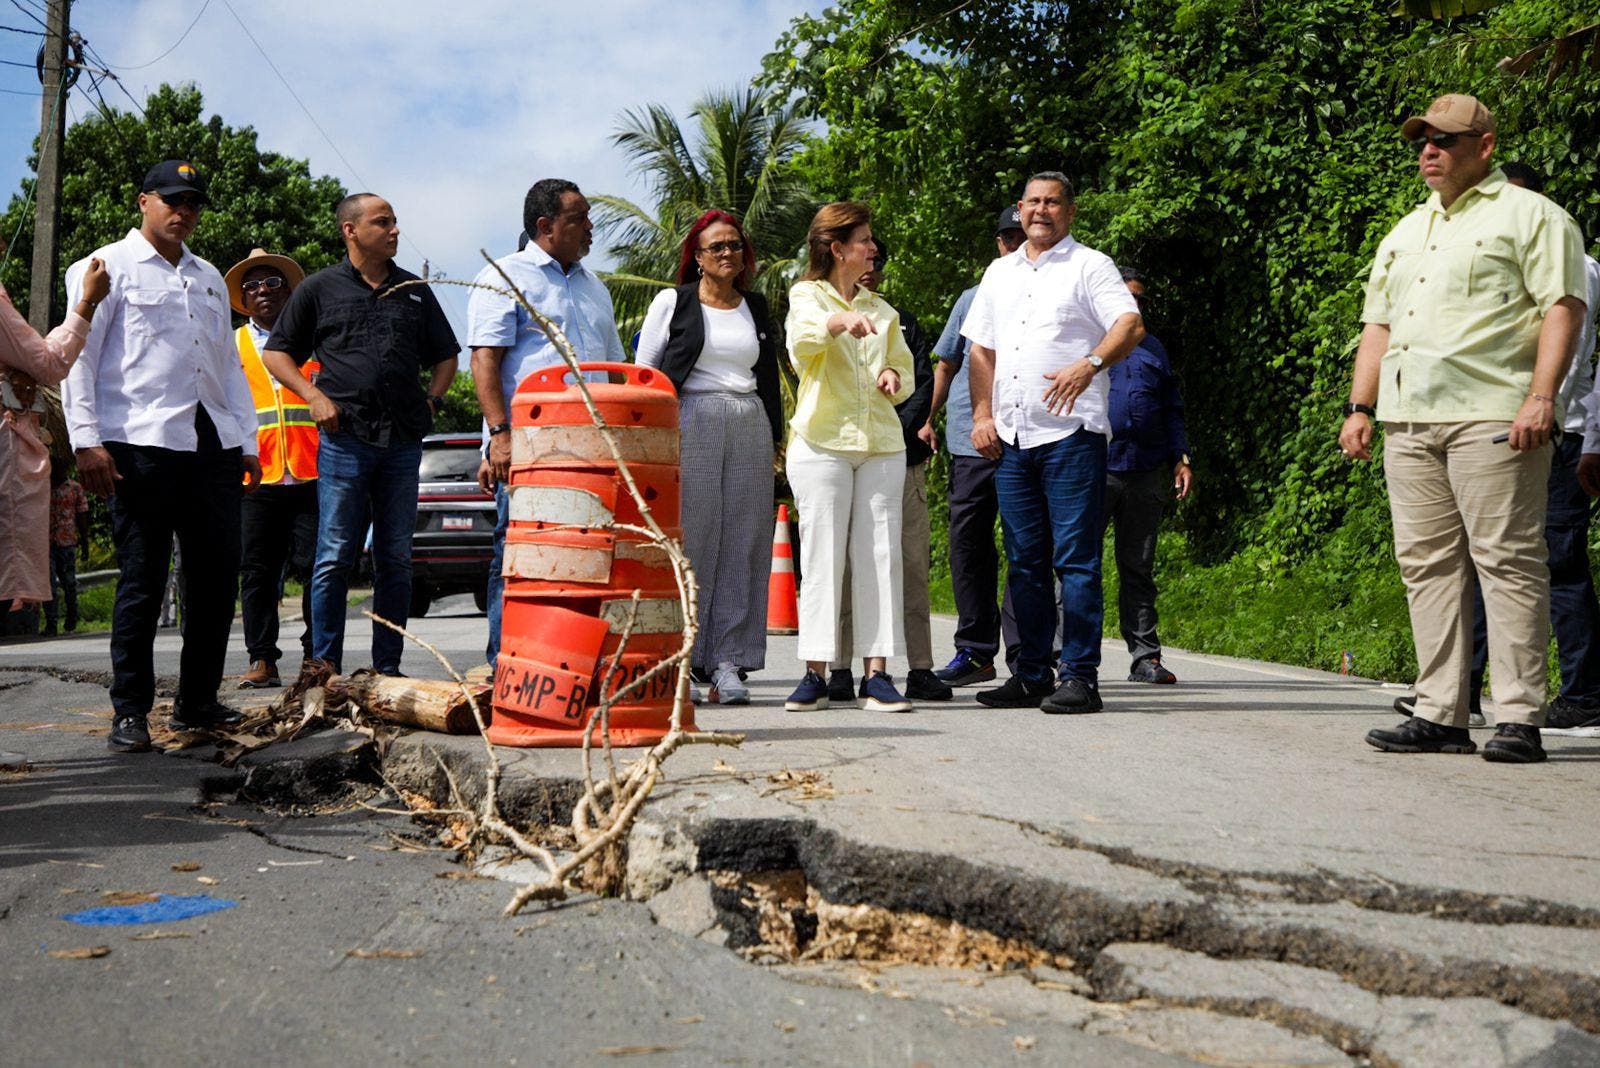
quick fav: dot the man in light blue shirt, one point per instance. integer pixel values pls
(507, 345)
(974, 564)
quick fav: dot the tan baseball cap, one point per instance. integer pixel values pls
(1451, 113)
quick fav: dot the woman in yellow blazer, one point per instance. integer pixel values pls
(846, 457)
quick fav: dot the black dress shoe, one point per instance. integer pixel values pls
(129, 734)
(1016, 692)
(923, 685)
(1514, 743)
(1571, 715)
(1072, 696)
(204, 716)
(1418, 735)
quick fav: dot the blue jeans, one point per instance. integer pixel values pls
(1051, 499)
(356, 481)
(497, 581)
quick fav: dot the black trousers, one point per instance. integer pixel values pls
(1135, 501)
(194, 495)
(278, 527)
(974, 563)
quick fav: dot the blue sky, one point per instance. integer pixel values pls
(449, 110)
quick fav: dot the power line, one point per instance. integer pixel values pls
(19, 29)
(14, 63)
(345, 159)
(175, 44)
(98, 58)
(30, 14)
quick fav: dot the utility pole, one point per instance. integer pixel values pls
(47, 190)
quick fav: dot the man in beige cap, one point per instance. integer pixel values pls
(1473, 307)
(278, 523)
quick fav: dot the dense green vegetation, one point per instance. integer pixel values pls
(1246, 156)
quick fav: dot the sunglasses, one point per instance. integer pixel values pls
(269, 284)
(716, 248)
(178, 200)
(1438, 140)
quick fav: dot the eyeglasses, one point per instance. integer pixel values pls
(269, 284)
(178, 200)
(1438, 140)
(717, 248)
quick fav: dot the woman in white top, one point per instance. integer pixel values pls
(713, 339)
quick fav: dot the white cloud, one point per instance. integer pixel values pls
(449, 110)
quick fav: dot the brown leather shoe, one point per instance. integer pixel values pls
(263, 674)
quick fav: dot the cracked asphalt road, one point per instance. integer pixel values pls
(1238, 813)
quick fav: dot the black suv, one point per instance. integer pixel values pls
(454, 541)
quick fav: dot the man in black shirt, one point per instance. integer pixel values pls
(373, 336)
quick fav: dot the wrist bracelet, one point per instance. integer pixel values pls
(1541, 396)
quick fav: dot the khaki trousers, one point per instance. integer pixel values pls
(915, 552)
(1462, 502)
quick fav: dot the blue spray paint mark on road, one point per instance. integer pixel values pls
(167, 908)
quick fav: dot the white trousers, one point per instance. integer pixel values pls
(849, 503)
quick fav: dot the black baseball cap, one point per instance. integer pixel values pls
(1010, 219)
(174, 176)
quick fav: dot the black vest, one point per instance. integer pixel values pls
(686, 336)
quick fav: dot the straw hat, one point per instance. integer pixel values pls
(259, 257)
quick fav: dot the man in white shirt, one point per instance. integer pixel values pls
(1046, 320)
(507, 345)
(161, 421)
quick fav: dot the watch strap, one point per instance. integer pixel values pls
(1367, 410)
(499, 428)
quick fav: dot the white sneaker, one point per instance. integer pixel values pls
(695, 696)
(726, 687)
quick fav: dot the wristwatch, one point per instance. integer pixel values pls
(1367, 410)
(499, 428)
(1096, 362)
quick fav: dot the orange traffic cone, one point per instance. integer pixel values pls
(783, 608)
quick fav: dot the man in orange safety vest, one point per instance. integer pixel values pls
(279, 521)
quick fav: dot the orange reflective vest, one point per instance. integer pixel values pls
(286, 435)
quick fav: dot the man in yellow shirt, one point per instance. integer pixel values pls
(1472, 311)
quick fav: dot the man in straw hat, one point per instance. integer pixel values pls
(1472, 311)
(278, 523)
(160, 420)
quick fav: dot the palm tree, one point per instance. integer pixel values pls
(739, 165)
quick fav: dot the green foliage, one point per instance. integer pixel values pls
(257, 197)
(739, 164)
(1245, 156)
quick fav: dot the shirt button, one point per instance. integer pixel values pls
(1432, 247)
(1421, 280)
(1405, 348)
(1411, 313)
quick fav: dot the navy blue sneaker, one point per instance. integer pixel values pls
(967, 668)
(810, 696)
(879, 695)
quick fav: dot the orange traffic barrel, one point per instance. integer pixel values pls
(572, 579)
(551, 425)
(543, 497)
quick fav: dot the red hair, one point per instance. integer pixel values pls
(688, 270)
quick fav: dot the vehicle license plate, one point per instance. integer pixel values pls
(457, 522)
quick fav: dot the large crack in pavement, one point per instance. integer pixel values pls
(1321, 887)
(789, 888)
